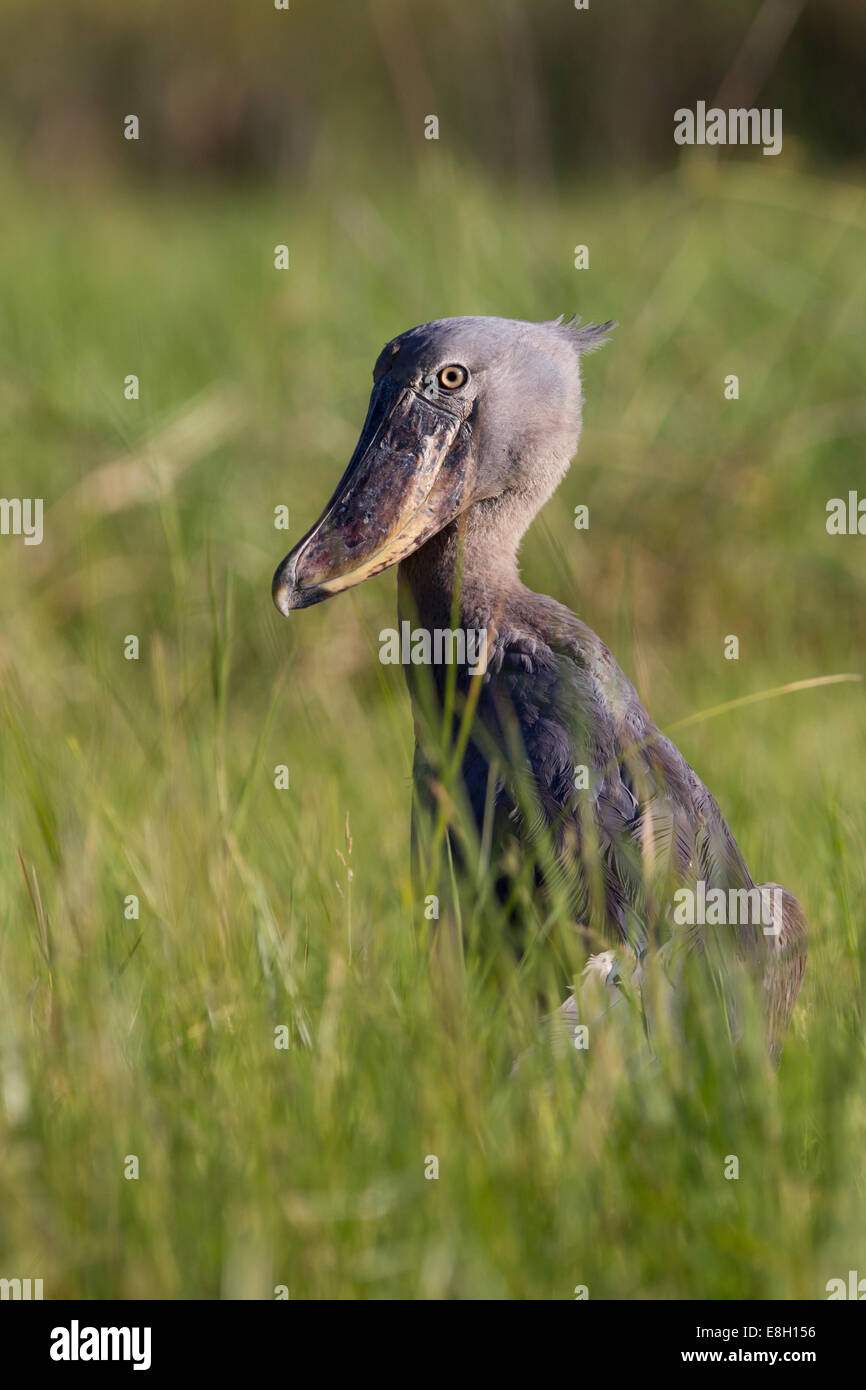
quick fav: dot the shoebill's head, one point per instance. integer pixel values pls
(466, 412)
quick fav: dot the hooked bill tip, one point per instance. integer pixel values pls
(283, 588)
(283, 599)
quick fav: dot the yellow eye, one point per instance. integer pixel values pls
(452, 377)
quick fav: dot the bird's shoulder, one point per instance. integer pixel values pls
(576, 707)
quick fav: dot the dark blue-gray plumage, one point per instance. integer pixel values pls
(472, 425)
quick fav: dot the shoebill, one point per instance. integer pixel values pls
(471, 426)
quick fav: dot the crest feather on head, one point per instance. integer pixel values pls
(585, 337)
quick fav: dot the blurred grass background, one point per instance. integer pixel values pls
(305, 1167)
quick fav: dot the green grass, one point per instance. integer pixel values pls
(155, 1037)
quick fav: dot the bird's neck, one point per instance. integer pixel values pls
(466, 575)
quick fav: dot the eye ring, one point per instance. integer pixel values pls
(452, 377)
